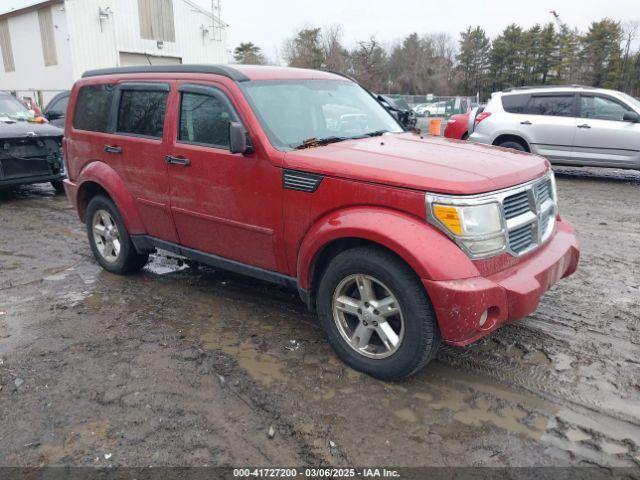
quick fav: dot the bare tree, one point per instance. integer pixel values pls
(335, 55)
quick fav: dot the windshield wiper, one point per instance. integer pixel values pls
(376, 133)
(317, 142)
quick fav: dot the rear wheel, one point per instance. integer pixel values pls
(376, 314)
(513, 144)
(109, 239)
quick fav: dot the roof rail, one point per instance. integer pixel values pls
(535, 87)
(223, 70)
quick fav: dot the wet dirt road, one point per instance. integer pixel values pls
(186, 365)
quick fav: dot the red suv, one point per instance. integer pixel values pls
(302, 178)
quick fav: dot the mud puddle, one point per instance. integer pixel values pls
(181, 364)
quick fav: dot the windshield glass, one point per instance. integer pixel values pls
(630, 100)
(12, 109)
(295, 111)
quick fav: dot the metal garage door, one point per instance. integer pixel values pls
(132, 59)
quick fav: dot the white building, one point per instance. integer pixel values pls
(46, 45)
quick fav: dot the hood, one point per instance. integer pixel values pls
(434, 164)
(22, 129)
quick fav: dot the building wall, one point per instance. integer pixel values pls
(83, 42)
(191, 45)
(31, 74)
(93, 43)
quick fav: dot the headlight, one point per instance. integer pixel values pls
(477, 228)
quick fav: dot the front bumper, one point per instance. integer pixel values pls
(508, 295)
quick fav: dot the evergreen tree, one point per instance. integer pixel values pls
(602, 54)
(473, 60)
(248, 54)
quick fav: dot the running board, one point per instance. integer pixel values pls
(145, 243)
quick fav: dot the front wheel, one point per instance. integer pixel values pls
(376, 314)
(110, 242)
(513, 144)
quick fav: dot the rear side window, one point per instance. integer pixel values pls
(515, 103)
(142, 112)
(93, 107)
(551, 105)
(204, 119)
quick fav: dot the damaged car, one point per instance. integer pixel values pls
(30, 151)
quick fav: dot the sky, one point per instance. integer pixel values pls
(268, 23)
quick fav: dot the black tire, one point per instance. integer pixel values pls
(58, 186)
(465, 136)
(513, 144)
(421, 337)
(128, 260)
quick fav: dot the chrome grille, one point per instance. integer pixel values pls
(521, 238)
(543, 191)
(530, 226)
(516, 204)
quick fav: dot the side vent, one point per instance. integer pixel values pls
(302, 181)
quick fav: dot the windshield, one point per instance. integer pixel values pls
(12, 109)
(298, 113)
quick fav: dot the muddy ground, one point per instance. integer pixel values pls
(185, 365)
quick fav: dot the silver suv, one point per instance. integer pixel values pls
(571, 125)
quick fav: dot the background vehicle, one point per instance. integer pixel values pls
(457, 127)
(571, 125)
(56, 109)
(302, 178)
(432, 109)
(400, 110)
(31, 151)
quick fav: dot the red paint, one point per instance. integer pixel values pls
(457, 126)
(234, 205)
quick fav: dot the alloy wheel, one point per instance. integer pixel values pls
(106, 235)
(368, 316)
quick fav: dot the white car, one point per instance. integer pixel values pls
(570, 125)
(431, 109)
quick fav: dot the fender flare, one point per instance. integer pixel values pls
(430, 253)
(106, 177)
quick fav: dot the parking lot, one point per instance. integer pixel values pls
(184, 365)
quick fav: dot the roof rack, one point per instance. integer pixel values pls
(223, 70)
(535, 87)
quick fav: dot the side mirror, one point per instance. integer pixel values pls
(632, 117)
(238, 139)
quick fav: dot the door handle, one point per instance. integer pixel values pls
(171, 160)
(112, 149)
(526, 122)
(584, 125)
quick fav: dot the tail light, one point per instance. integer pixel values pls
(481, 116)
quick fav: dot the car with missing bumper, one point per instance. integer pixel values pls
(399, 242)
(29, 152)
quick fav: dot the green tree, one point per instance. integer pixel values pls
(304, 50)
(602, 54)
(410, 64)
(248, 54)
(473, 60)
